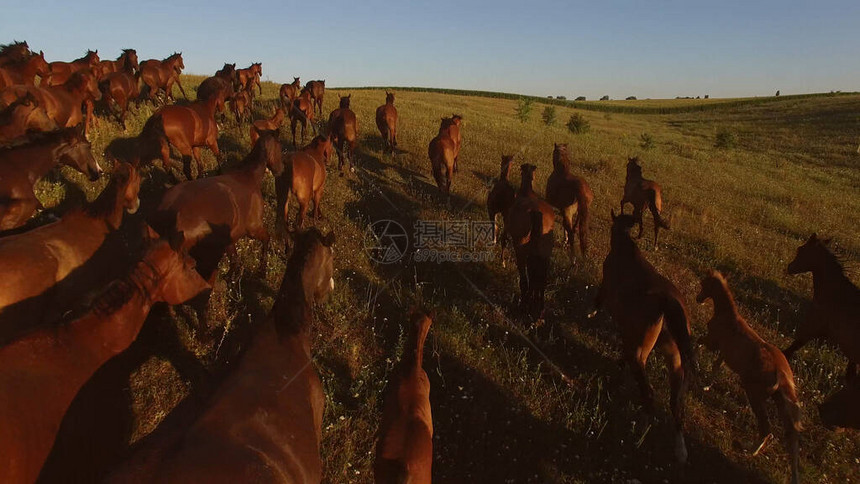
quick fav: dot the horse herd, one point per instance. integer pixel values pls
(72, 296)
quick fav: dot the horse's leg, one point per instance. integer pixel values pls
(503, 243)
(519, 252)
(637, 216)
(756, 397)
(637, 359)
(260, 233)
(808, 330)
(181, 89)
(212, 144)
(678, 386)
(317, 198)
(14, 213)
(789, 412)
(569, 230)
(293, 129)
(199, 160)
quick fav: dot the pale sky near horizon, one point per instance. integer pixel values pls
(656, 49)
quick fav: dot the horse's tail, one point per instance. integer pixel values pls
(676, 321)
(583, 218)
(653, 197)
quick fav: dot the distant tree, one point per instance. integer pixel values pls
(631, 98)
(548, 115)
(605, 98)
(563, 98)
(647, 141)
(697, 97)
(549, 97)
(706, 96)
(577, 124)
(581, 98)
(777, 93)
(524, 109)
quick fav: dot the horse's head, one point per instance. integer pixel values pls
(92, 57)
(324, 146)
(257, 68)
(621, 224)
(633, 166)
(43, 69)
(344, 101)
(178, 63)
(177, 278)
(312, 263)
(130, 56)
(129, 183)
(810, 255)
(85, 83)
(420, 321)
(560, 158)
(75, 151)
(712, 285)
(527, 173)
(456, 119)
(269, 148)
(389, 97)
(505, 165)
(296, 82)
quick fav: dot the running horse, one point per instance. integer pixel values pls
(187, 128)
(14, 52)
(317, 90)
(271, 124)
(343, 126)
(501, 196)
(640, 191)
(22, 117)
(289, 92)
(442, 152)
(126, 62)
(649, 310)
(240, 104)
(302, 111)
(572, 196)
(529, 223)
(120, 87)
(221, 86)
(41, 373)
(161, 75)
(62, 71)
(25, 71)
(386, 121)
(250, 77)
(304, 175)
(264, 423)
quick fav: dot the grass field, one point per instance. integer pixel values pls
(502, 413)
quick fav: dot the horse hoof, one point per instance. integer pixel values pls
(680, 449)
(762, 445)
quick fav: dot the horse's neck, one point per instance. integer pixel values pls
(724, 304)
(623, 245)
(110, 334)
(829, 279)
(39, 158)
(292, 312)
(108, 207)
(562, 165)
(526, 189)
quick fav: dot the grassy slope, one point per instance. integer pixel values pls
(501, 414)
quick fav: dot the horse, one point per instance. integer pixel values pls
(404, 448)
(233, 200)
(572, 196)
(40, 282)
(501, 195)
(835, 311)
(272, 124)
(344, 132)
(120, 86)
(386, 121)
(41, 373)
(126, 62)
(62, 103)
(529, 224)
(240, 104)
(62, 71)
(442, 153)
(187, 128)
(840, 409)
(264, 422)
(761, 366)
(452, 127)
(228, 72)
(250, 77)
(302, 111)
(161, 75)
(221, 86)
(24, 115)
(317, 90)
(304, 175)
(25, 71)
(648, 310)
(21, 167)
(14, 52)
(289, 92)
(638, 191)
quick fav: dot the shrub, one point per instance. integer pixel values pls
(548, 115)
(563, 98)
(581, 98)
(605, 98)
(524, 109)
(647, 141)
(725, 139)
(577, 124)
(631, 98)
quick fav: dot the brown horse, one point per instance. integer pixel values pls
(34, 269)
(639, 191)
(250, 77)
(289, 92)
(501, 196)
(404, 448)
(529, 224)
(41, 373)
(23, 166)
(264, 423)
(386, 121)
(443, 159)
(161, 75)
(62, 71)
(126, 62)
(240, 104)
(24, 115)
(302, 111)
(25, 71)
(304, 175)
(572, 196)
(648, 310)
(14, 52)
(121, 87)
(452, 127)
(761, 366)
(317, 90)
(835, 311)
(221, 86)
(233, 200)
(272, 124)
(344, 133)
(187, 128)
(840, 409)
(62, 103)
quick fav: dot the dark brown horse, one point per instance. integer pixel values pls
(835, 311)
(304, 175)
(240, 104)
(343, 126)
(572, 196)
(250, 77)
(840, 409)
(639, 191)
(317, 90)
(648, 310)
(62, 71)
(14, 52)
(501, 196)
(120, 87)
(221, 86)
(228, 72)
(452, 127)
(24, 115)
(126, 62)
(35, 263)
(23, 166)
(443, 159)
(761, 366)
(187, 128)
(160, 75)
(529, 223)
(36, 391)
(264, 423)
(233, 200)
(271, 124)
(289, 92)
(386, 121)
(25, 71)
(302, 111)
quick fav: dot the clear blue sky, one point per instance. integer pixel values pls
(644, 48)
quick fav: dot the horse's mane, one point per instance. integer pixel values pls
(41, 138)
(7, 49)
(302, 250)
(76, 81)
(120, 291)
(105, 203)
(10, 109)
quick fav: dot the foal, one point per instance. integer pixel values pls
(304, 175)
(386, 121)
(501, 196)
(302, 111)
(572, 196)
(443, 151)
(344, 133)
(639, 191)
(761, 366)
(404, 448)
(41, 373)
(648, 310)
(316, 89)
(289, 92)
(272, 124)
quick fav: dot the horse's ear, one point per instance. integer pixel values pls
(41, 54)
(612, 213)
(328, 240)
(828, 241)
(813, 237)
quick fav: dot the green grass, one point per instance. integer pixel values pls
(501, 412)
